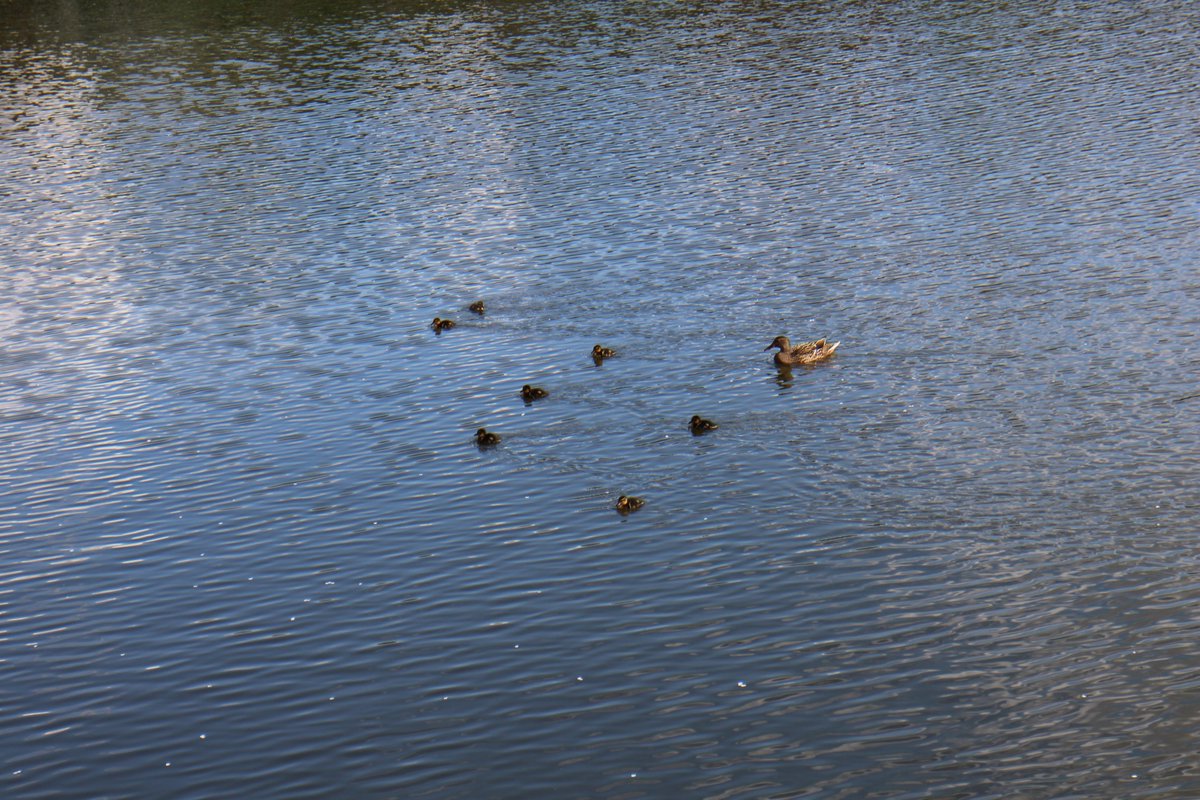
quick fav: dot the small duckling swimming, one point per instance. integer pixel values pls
(440, 324)
(627, 505)
(700, 426)
(600, 353)
(531, 393)
(804, 353)
(477, 308)
(485, 438)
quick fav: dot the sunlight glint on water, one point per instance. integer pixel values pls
(248, 546)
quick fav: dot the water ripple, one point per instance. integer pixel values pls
(244, 521)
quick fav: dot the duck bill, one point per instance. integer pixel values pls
(768, 347)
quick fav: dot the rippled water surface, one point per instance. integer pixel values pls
(248, 547)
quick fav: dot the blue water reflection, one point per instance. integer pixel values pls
(251, 548)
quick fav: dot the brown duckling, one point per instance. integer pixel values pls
(600, 353)
(440, 324)
(477, 308)
(805, 353)
(626, 505)
(485, 438)
(700, 426)
(531, 393)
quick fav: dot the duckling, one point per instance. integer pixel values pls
(477, 308)
(440, 324)
(600, 353)
(531, 393)
(805, 353)
(700, 426)
(485, 438)
(626, 505)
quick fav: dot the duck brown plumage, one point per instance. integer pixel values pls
(804, 353)
(530, 393)
(626, 504)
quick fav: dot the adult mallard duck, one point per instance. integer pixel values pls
(531, 393)
(700, 426)
(440, 324)
(626, 505)
(600, 353)
(485, 438)
(477, 307)
(806, 353)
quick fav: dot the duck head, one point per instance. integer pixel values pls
(779, 341)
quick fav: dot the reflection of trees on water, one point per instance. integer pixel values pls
(290, 139)
(68, 20)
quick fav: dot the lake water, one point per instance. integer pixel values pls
(248, 547)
